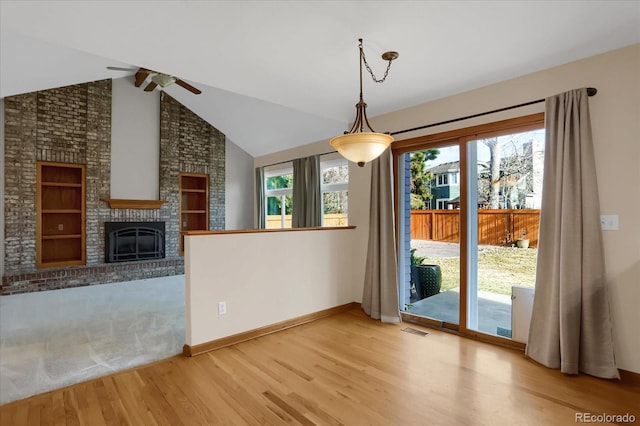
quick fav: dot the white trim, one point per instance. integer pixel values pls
(445, 201)
(335, 187)
(278, 192)
(457, 176)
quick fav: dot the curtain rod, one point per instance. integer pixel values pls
(289, 161)
(591, 91)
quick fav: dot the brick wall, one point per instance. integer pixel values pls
(188, 144)
(73, 125)
(20, 182)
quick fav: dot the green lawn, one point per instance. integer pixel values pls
(499, 268)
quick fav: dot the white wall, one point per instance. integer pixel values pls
(135, 142)
(359, 178)
(264, 277)
(238, 188)
(615, 117)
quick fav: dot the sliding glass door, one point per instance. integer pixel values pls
(504, 177)
(431, 234)
(468, 212)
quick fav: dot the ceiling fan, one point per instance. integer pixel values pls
(157, 79)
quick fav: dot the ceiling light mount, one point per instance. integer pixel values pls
(390, 56)
(357, 144)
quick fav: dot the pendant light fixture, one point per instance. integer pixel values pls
(356, 144)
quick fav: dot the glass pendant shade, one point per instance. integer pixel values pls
(361, 147)
(163, 80)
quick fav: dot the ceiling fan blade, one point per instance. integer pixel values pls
(150, 87)
(122, 69)
(141, 76)
(188, 86)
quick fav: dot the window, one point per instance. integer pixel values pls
(279, 196)
(334, 186)
(447, 179)
(443, 204)
(335, 191)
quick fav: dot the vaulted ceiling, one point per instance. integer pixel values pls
(279, 74)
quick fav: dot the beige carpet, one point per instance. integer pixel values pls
(56, 338)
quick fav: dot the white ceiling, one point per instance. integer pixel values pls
(279, 74)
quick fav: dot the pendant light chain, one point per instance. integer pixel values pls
(366, 64)
(356, 144)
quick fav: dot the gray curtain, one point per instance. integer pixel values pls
(307, 207)
(380, 296)
(570, 325)
(260, 198)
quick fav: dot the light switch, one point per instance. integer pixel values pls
(609, 222)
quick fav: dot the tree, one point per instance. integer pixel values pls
(493, 198)
(335, 201)
(511, 162)
(420, 178)
(274, 204)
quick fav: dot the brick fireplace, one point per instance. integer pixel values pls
(73, 125)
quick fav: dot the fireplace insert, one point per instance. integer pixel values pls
(132, 241)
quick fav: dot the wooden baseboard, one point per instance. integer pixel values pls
(262, 331)
(629, 377)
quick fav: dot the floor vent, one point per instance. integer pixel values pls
(415, 331)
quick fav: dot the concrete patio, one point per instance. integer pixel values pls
(494, 310)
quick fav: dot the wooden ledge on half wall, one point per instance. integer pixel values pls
(257, 231)
(116, 203)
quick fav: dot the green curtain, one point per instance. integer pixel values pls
(307, 192)
(260, 198)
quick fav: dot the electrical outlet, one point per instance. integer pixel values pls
(222, 308)
(60, 227)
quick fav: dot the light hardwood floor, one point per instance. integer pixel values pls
(344, 369)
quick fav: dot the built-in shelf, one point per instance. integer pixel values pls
(60, 212)
(60, 237)
(115, 203)
(194, 204)
(62, 184)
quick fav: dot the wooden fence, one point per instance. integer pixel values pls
(495, 227)
(330, 219)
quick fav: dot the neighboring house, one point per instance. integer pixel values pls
(445, 185)
(520, 182)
